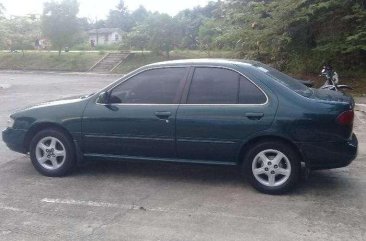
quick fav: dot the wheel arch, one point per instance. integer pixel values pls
(246, 146)
(35, 128)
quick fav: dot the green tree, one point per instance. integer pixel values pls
(190, 21)
(2, 9)
(138, 38)
(2, 27)
(60, 23)
(300, 32)
(23, 33)
(19, 33)
(207, 35)
(120, 18)
(140, 15)
(163, 31)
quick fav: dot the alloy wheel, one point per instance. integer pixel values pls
(50, 153)
(271, 168)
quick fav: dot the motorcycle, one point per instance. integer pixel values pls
(332, 80)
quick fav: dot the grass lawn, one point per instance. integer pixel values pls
(49, 61)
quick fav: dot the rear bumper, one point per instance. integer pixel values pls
(330, 155)
(14, 139)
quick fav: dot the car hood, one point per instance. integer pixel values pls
(62, 101)
(66, 111)
(331, 95)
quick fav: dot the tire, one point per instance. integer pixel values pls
(272, 167)
(52, 153)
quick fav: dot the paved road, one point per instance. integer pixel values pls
(119, 201)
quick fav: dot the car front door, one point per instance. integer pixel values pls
(139, 118)
(219, 111)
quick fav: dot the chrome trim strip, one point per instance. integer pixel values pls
(206, 141)
(130, 137)
(160, 139)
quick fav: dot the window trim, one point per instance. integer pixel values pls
(176, 100)
(189, 84)
(239, 87)
(184, 90)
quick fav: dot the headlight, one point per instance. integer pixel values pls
(10, 122)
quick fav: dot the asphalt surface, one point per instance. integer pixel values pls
(131, 201)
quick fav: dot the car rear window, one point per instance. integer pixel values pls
(283, 78)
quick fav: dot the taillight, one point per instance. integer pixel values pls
(346, 118)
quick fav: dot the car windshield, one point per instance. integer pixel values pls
(288, 81)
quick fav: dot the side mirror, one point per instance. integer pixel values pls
(103, 98)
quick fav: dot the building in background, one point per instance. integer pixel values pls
(105, 36)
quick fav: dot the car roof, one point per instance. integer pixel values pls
(210, 62)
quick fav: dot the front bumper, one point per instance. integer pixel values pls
(330, 155)
(14, 139)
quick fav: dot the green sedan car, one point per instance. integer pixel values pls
(223, 112)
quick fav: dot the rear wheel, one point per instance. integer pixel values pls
(52, 153)
(272, 167)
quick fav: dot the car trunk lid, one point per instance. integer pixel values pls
(332, 96)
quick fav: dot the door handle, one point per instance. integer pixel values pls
(254, 116)
(163, 115)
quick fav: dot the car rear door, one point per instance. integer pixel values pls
(220, 110)
(139, 120)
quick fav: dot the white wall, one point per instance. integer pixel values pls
(111, 38)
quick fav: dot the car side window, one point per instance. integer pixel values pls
(155, 86)
(250, 93)
(213, 86)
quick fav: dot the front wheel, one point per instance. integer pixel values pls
(52, 153)
(272, 167)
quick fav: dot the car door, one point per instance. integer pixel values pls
(139, 118)
(220, 110)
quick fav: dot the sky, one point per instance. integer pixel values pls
(99, 8)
